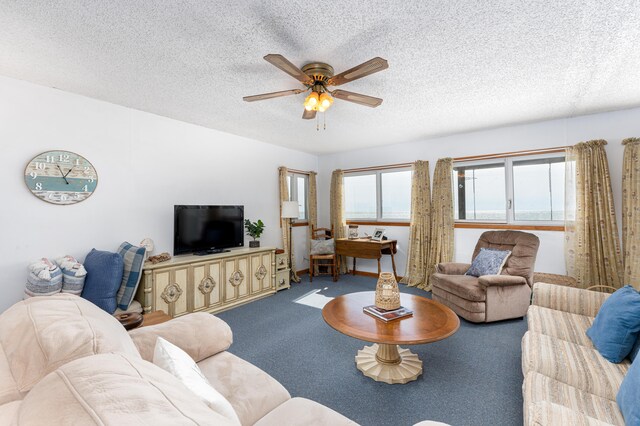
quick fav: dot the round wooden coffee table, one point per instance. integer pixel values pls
(385, 361)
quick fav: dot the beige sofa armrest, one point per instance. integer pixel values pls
(201, 335)
(568, 299)
(501, 280)
(452, 268)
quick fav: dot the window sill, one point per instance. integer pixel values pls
(377, 223)
(478, 225)
(295, 224)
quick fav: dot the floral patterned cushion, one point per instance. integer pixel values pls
(319, 247)
(488, 262)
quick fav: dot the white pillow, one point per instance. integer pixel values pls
(177, 362)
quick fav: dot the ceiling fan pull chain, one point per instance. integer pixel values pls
(324, 117)
(317, 123)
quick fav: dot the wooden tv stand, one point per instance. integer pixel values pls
(210, 283)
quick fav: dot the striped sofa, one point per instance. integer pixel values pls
(566, 380)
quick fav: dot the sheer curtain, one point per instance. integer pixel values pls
(419, 233)
(592, 249)
(631, 211)
(284, 225)
(337, 210)
(441, 246)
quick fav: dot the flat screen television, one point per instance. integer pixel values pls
(207, 229)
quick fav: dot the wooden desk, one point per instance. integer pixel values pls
(365, 248)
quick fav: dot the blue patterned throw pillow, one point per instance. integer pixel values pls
(635, 350)
(628, 397)
(133, 257)
(104, 275)
(488, 262)
(617, 324)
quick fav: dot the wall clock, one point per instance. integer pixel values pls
(61, 177)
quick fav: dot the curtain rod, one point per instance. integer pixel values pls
(386, 166)
(468, 158)
(512, 153)
(302, 172)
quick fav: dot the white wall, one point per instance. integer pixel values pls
(613, 127)
(145, 164)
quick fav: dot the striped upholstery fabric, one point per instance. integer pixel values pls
(567, 381)
(559, 324)
(133, 258)
(539, 388)
(575, 365)
(549, 414)
(567, 299)
(73, 275)
(44, 279)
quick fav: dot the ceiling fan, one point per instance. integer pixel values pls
(317, 77)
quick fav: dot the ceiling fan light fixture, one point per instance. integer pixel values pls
(311, 100)
(316, 77)
(325, 100)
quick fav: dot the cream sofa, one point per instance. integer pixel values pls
(566, 380)
(65, 361)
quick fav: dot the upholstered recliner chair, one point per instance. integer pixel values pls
(490, 297)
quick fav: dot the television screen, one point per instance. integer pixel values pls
(202, 229)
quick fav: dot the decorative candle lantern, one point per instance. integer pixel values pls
(149, 246)
(387, 292)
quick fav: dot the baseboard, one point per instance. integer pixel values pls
(370, 274)
(364, 274)
(361, 273)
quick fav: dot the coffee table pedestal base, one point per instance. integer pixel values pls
(388, 363)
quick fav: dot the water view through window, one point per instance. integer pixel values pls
(378, 195)
(538, 190)
(396, 195)
(535, 191)
(480, 193)
(360, 197)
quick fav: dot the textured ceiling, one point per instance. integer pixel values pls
(453, 65)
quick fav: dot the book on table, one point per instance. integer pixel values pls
(387, 315)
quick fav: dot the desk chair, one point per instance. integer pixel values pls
(327, 259)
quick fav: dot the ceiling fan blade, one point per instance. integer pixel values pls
(308, 115)
(371, 66)
(357, 98)
(286, 66)
(271, 95)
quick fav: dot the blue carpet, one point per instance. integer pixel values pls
(471, 378)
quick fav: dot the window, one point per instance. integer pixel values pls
(480, 192)
(360, 197)
(522, 189)
(299, 192)
(378, 195)
(538, 189)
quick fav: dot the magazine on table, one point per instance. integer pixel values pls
(387, 315)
